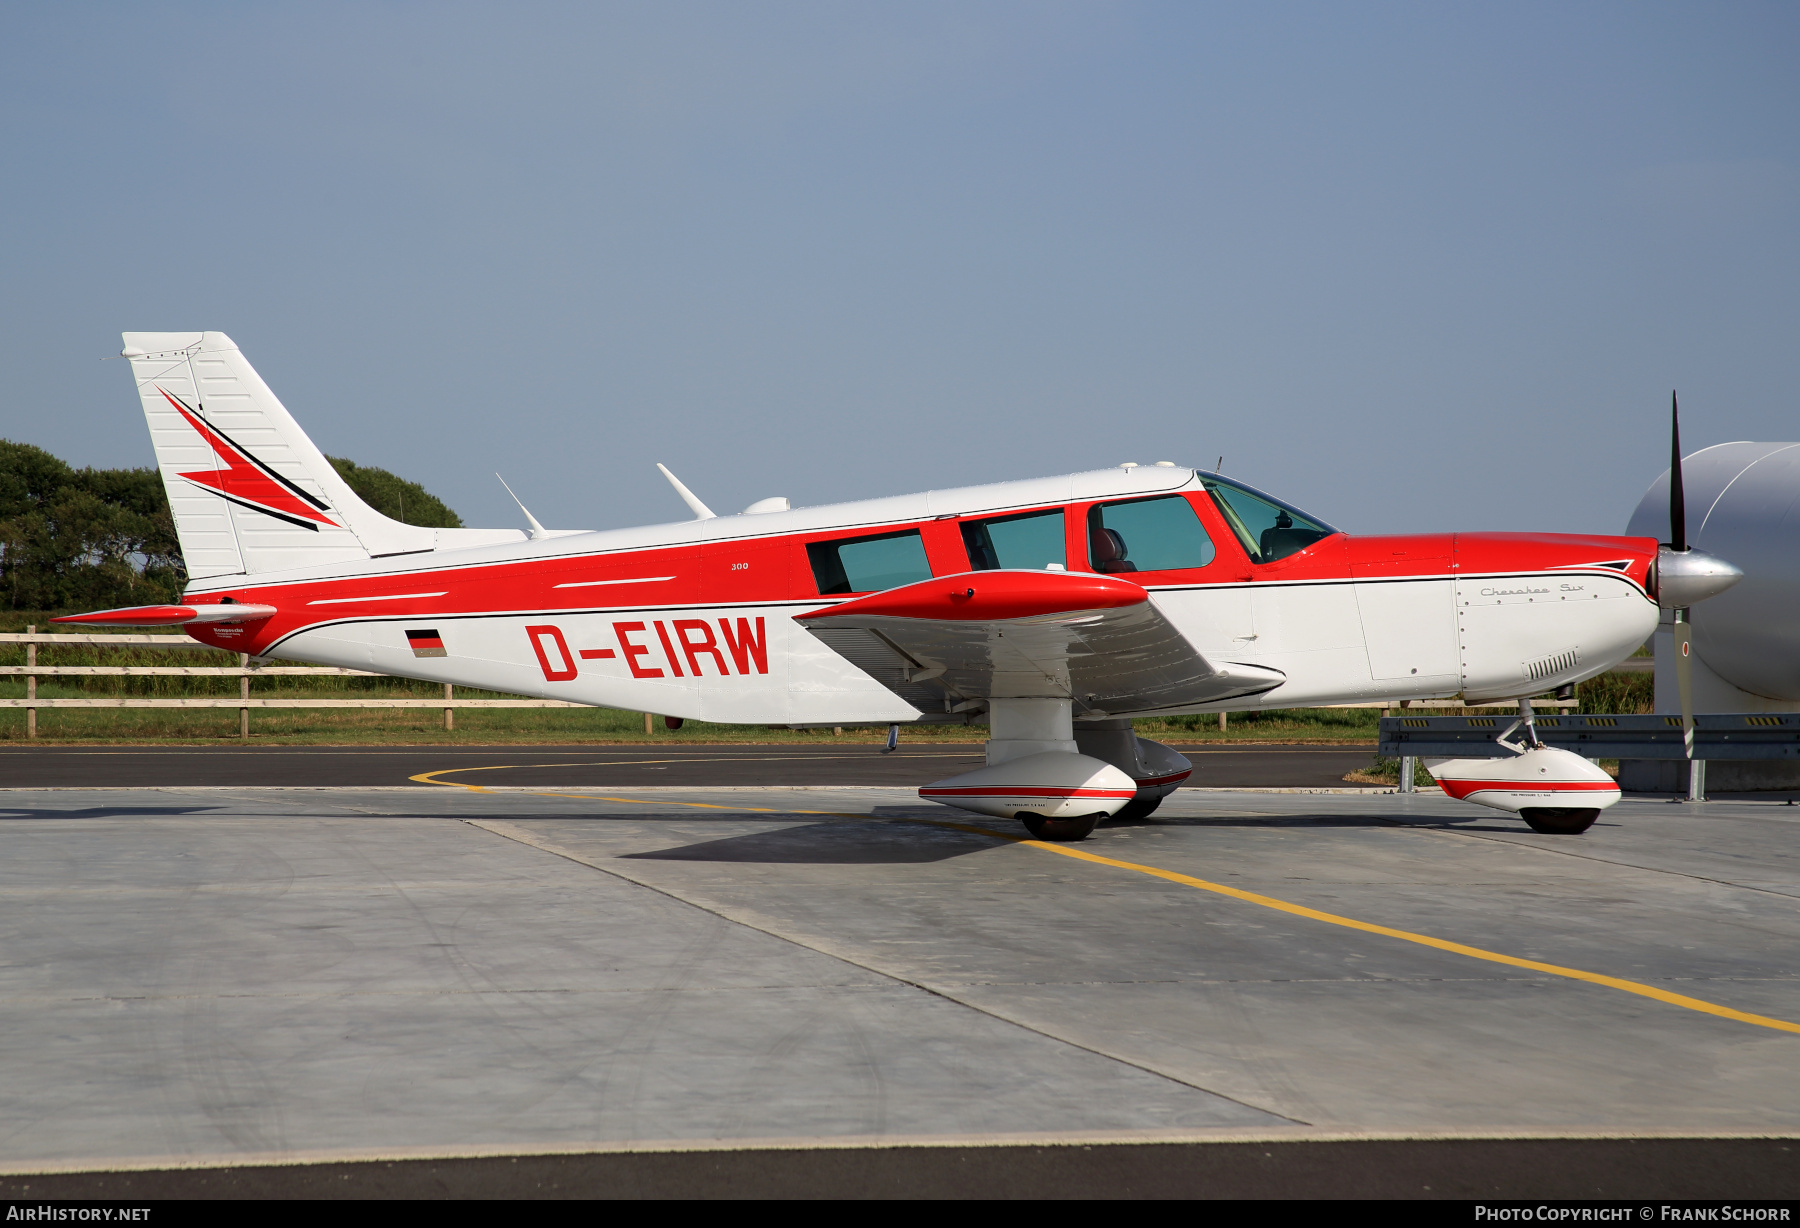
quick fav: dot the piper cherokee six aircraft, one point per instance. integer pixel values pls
(1055, 609)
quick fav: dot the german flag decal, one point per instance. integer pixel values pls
(426, 643)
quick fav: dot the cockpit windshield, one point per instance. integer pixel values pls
(1268, 528)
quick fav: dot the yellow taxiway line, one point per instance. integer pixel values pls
(1201, 884)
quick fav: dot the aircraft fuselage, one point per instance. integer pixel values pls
(696, 619)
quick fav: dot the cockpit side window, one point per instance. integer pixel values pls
(868, 564)
(1029, 541)
(1268, 528)
(1160, 534)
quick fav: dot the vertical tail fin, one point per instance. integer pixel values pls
(249, 491)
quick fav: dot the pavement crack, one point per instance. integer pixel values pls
(768, 926)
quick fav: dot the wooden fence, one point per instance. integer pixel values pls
(246, 673)
(243, 671)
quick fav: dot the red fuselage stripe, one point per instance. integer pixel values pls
(1024, 791)
(1463, 788)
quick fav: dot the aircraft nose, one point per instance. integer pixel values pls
(1686, 577)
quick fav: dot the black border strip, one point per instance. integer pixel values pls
(255, 507)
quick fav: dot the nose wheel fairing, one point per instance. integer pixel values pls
(1542, 777)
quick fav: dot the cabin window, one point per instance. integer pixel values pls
(868, 564)
(1147, 535)
(1268, 528)
(1031, 541)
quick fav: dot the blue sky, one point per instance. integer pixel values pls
(1408, 266)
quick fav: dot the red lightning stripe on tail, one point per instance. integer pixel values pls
(246, 480)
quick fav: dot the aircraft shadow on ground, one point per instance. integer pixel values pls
(1518, 829)
(107, 812)
(1317, 819)
(834, 843)
(1473, 823)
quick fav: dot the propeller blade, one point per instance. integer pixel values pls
(1677, 497)
(1684, 630)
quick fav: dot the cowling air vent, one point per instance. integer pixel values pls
(1562, 662)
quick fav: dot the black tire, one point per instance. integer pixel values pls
(1078, 828)
(1559, 820)
(1138, 808)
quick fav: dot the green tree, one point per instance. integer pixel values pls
(94, 539)
(395, 497)
(83, 539)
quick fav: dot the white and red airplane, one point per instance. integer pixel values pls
(1054, 609)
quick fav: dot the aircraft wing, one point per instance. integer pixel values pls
(1097, 640)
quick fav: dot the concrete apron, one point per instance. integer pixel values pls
(286, 973)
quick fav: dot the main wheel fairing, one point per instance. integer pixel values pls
(1052, 785)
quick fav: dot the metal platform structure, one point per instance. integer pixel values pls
(1722, 736)
(1717, 736)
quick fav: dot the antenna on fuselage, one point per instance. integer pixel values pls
(537, 530)
(700, 510)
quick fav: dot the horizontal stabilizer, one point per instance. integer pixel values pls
(170, 615)
(1092, 639)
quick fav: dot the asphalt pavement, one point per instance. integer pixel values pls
(587, 767)
(1467, 1169)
